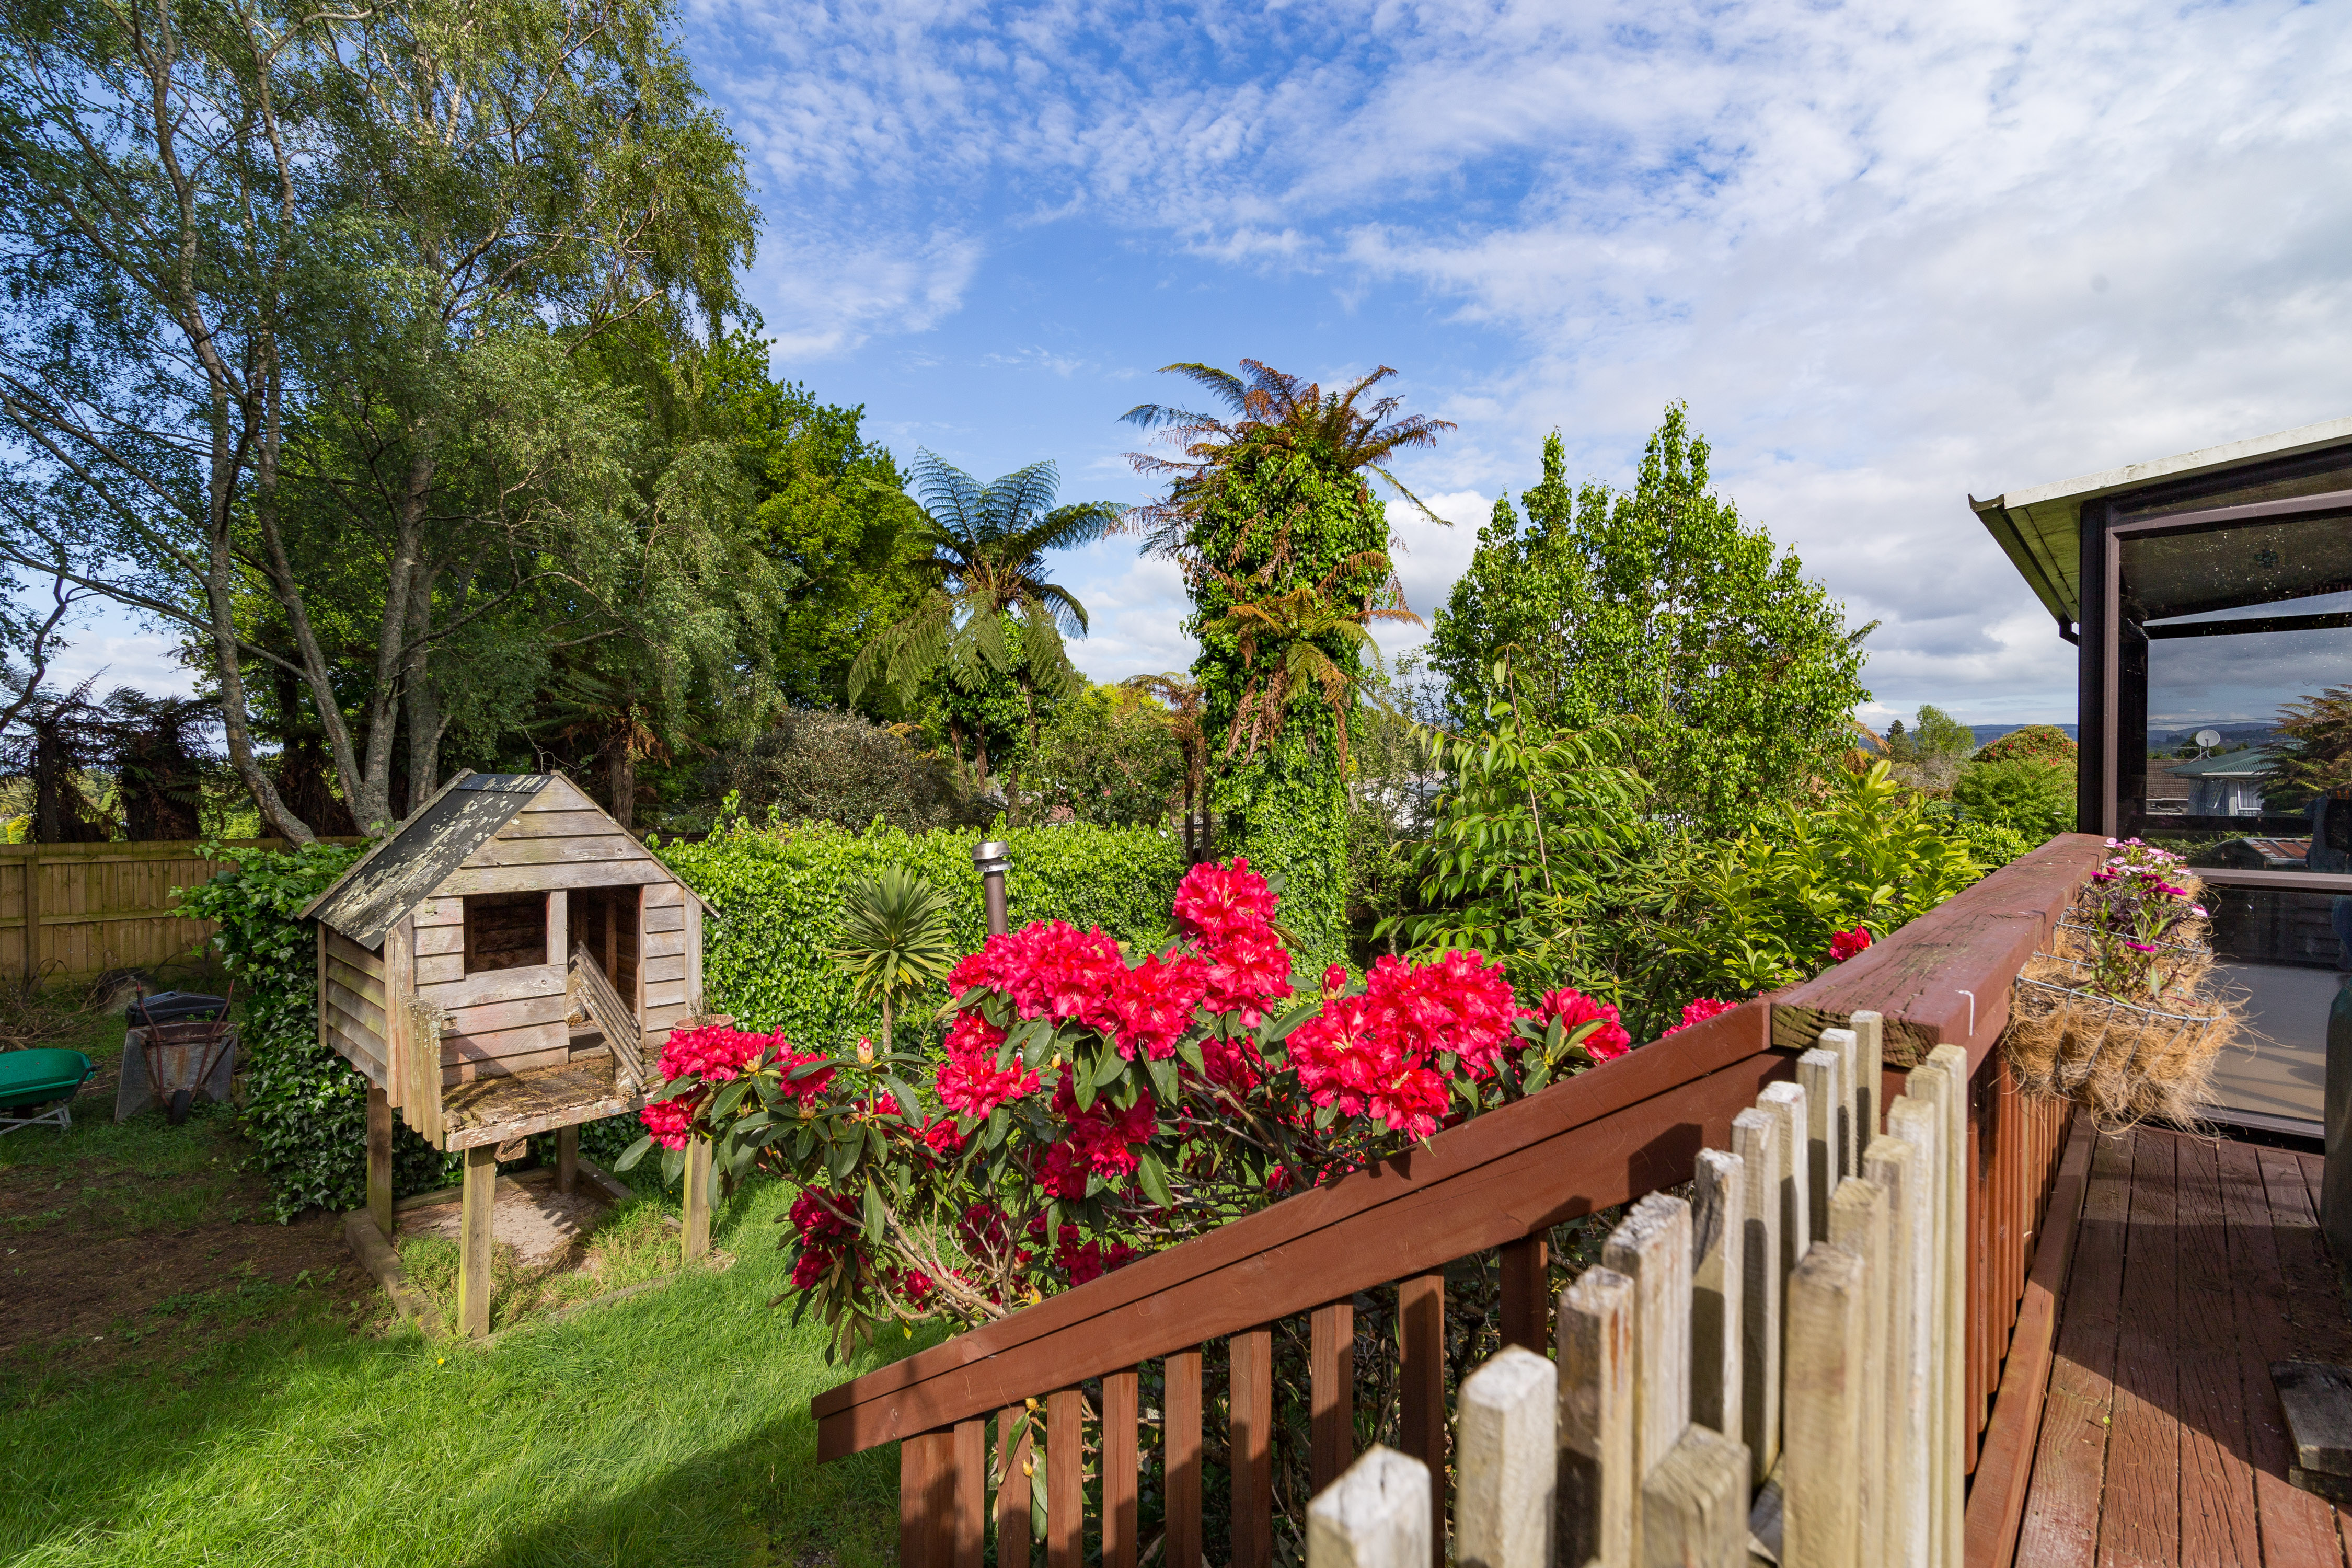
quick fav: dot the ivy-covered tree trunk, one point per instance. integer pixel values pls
(1279, 518)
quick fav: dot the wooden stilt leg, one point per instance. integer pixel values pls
(567, 1158)
(379, 1160)
(474, 1240)
(698, 1198)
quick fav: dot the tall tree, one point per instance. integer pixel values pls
(300, 297)
(1283, 546)
(988, 604)
(1736, 674)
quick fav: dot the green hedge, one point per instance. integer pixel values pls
(306, 1107)
(776, 897)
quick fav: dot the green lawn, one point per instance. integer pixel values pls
(264, 1411)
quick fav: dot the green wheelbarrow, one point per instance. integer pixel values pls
(36, 1088)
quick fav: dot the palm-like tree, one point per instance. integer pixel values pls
(985, 571)
(1279, 634)
(1275, 408)
(897, 936)
(1184, 700)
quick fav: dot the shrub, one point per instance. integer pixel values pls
(306, 1107)
(1768, 909)
(822, 766)
(2033, 744)
(776, 895)
(1108, 756)
(2034, 797)
(1093, 1105)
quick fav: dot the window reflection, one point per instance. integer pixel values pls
(2220, 629)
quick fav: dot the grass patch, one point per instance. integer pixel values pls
(630, 1245)
(670, 1428)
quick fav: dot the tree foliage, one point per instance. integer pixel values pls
(1733, 672)
(1271, 515)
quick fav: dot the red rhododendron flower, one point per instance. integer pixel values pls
(1410, 1101)
(968, 1080)
(1845, 944)
(1700, 1010)
(1249, 973)
(1574, 1009)
(941, 1138)
(1216, 903)
(813, 1216)
(1154, 1003)
(669, 1122)
(1335, 979)
(713, 1052)
(1339, 1055)
(1461, 1003)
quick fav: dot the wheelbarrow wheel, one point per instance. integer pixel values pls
(181, 1099)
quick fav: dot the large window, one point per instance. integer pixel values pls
(2223, 622)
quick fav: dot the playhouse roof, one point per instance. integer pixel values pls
(2040, 526)
(398, 874)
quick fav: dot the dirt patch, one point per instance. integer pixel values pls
(545, 1227)
(90, 1302)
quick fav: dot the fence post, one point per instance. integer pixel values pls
(1945, 1088)
(1596, 1421)
(1851, 1134)
(1817, 1071)
(1785, 1103)
(1870, 1073)
(1510, 1416)
(1821, 1523)
(1893, 1163)
(1375, 1516)
(1695, 1505)
(1718, 1295)
(1651, 1248)
(1858, 1223)
(1756, 1139)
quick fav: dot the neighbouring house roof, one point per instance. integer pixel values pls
(391, 880)
(2040, 526)
(2251, 763)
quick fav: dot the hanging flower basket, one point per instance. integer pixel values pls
(2119, 1015)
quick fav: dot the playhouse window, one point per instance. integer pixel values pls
(505, 931)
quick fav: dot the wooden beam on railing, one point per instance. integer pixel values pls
(1944, 979)
(1179, 1441)
(1120, 1411)
(1421, 1380)
(1250, 1439)
(1331, 1391)
(1065, 1479)
(1525, 1307)
(1014, 1487)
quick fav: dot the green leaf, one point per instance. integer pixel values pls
(1110, 1069)
(634, 1153)
(1152, 1175)
(873, 1212)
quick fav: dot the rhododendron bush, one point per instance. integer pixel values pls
(1092, 1103)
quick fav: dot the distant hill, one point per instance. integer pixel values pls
(1986, 734)
(2232, 734)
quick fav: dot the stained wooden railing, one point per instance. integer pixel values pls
(1499, 1183)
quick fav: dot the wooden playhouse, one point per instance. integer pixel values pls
(509, 962)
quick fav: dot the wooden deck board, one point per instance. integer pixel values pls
(2140, 1521)
(2198, 1264)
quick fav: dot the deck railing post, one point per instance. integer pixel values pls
(1420, 1379)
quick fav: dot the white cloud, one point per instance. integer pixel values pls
(1890, 253)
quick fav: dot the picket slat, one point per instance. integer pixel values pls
(1858, 1224)
(1509, 1439)
(1596, 1420)
(1375, 1516)
(1718, 1247)
(1817, 1071)
(1822, 1524)
(1756, 1139)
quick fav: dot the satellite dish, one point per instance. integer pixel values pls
(2209, 739)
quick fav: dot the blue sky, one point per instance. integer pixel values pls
(1890, 255)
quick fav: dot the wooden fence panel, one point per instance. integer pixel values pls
(99, 907)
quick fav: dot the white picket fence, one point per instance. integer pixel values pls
(1774, 1369)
